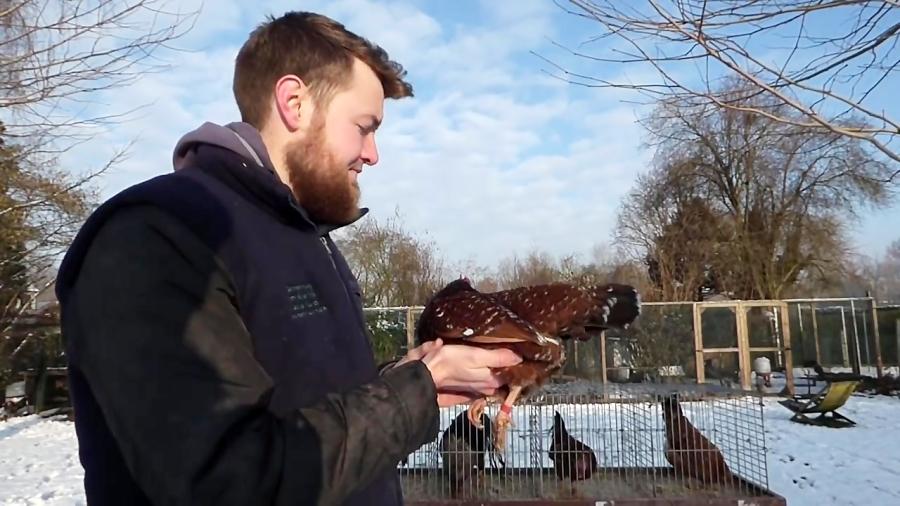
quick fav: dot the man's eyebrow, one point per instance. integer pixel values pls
(375, 122)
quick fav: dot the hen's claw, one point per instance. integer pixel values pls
(476, 410)
(504, 418)
(501, 427)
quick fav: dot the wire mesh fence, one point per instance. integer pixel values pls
(845, 333)
(582, 440)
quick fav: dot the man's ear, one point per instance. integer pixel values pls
(293, 102)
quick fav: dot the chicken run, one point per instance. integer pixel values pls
(583, 443)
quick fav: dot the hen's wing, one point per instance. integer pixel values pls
(475, 318)
(555, 309)
(561, 309)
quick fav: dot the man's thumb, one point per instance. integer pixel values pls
(430, 346)
(505, 358)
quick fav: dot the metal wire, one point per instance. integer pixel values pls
(627, 435)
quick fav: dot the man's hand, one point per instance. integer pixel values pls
(462, 373)
(447, 398)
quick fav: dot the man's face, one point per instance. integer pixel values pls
(324, 164)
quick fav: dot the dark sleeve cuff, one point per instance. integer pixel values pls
(416, 391)
(386, 366)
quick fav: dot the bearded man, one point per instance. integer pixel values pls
(216, 341)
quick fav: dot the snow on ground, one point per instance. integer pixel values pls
(810, 466)
(854, 466)
(39, 463)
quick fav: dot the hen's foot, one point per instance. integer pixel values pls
(476, 409)
(504, 418)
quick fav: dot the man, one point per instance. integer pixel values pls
(215, 335)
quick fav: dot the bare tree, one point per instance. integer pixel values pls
(881, 276)
(746, 203)
(56, 57)
(534, 268)
(393, 266)
(887, 283)
(538, 267)
(673, 232)
(41, 209)
(824, 76)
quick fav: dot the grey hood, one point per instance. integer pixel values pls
(242, 138)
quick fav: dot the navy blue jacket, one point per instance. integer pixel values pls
(218, 351)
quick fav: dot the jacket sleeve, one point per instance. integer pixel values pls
(155, 332)
(387, 366)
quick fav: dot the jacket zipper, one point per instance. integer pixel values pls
(344, 284)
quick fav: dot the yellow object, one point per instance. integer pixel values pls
(828, 401)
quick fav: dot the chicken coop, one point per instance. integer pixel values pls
(586, 443)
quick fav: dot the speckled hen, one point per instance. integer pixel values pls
(530, 321)
(460, 314)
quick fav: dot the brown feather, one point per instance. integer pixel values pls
(459, 314)
(465, 314)
(554, 309)
(563, 310)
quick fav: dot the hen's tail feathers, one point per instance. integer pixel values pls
(618, 305)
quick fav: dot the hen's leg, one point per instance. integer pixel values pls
(504, 418)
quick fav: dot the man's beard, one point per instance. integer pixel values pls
(320, 182)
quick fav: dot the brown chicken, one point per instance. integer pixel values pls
(571, 458)
(462, 448)
(689, 451)
(531, 321)
(459, 314)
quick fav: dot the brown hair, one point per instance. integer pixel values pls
(314, 47)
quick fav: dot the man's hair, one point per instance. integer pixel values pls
(317, 49)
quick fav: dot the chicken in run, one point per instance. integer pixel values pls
(531, 321)
(572, 459)
(689, 452)
(463, 447)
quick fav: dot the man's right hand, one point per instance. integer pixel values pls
(463, 373)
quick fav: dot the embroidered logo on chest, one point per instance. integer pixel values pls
(303, 301)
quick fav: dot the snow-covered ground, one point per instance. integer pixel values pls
(818, 465)
(39, 463)
(807, 465)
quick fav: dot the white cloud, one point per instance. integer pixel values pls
(471, 186)
(490, 158)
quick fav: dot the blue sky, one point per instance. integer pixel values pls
(491, 158)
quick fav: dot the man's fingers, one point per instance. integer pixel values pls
(498, 358)
(453, 397)
(468, 368)
(430, 346)
(479, 380)
(480, 357)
